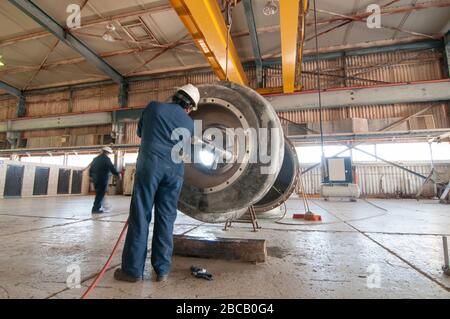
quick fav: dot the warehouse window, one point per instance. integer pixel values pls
(52, 160)
(82, 160)
(441, 152)
(313, 154)
(130, 158)
(413, 152)
(404, 152)
(363, 157)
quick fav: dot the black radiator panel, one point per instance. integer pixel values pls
(14, 181)
(41, 178)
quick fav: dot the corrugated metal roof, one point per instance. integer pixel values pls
(167, 28)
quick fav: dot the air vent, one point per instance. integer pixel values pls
(138, 30)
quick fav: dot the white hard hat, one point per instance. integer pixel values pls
(192, 92)
(107, 149)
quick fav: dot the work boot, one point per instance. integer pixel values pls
(121, 276)
(98, 212)
(162, 278)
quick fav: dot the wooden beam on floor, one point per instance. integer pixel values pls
(250, 250)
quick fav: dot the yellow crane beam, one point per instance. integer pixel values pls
(292, 19)
(204, 21)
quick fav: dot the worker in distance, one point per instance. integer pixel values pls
(99, 172)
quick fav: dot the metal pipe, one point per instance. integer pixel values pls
(446, 267)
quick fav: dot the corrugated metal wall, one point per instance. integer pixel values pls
(79, 136)
(401, 66)
(144, 91)
(439, 113)
(97, 98)
(394, 67)
(130, 133)
(49, 104)
(377, 179)
(8, 108)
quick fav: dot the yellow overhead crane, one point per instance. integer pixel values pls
(204, 21)
(292, 29)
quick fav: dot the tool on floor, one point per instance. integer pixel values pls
(308, 215)
(108, 262)
(201, 273)
(250, 219)
(446, 267)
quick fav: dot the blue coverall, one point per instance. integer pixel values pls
(158, 183)
(99, 171)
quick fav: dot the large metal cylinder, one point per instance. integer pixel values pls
(286, 181)
(225, 190)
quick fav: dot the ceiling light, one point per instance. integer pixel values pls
(271, 8)
(110, 27)
(107, 36)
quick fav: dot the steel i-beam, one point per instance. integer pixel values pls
(204, 21)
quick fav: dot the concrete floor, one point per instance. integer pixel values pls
(368, 249)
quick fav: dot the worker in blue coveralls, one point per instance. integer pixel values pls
(99, 171)
(157, 183)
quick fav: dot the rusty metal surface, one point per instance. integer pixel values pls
(285, 183)
(242, 184)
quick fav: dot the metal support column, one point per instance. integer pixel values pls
(447, 57)
(21, 106)
(123, 94)
(70, 103)
(447, 51)
(255, 42)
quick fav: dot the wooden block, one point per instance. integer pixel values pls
(252, 250)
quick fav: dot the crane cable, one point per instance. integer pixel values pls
(229, 21)
(319, 87)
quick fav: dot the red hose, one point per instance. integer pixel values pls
(108, 262)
